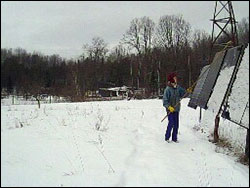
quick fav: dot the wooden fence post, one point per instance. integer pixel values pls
(247, 145)
(216, 128)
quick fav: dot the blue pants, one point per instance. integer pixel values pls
(173, 123)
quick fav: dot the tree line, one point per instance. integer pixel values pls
(146, 53)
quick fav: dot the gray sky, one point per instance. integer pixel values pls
(62, 27)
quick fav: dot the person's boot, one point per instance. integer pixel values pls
(167, 140)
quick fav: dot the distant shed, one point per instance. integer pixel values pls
(114, 92)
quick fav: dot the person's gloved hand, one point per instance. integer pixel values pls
(171, 109)
(190, 89)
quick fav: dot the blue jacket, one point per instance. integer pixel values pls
(172, 96)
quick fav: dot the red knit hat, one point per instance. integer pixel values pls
(171, 77)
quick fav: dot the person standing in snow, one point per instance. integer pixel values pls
(171, 97)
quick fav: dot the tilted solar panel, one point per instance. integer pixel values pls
(203, 90)
(236, 106)
(211, 79)
(198, 87)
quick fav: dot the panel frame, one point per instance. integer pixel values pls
(209, 81)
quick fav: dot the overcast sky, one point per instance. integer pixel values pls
(62, 27)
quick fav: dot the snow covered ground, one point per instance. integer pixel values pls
(112, 143)
(121, 143)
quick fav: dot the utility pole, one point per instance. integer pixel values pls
(222, 8)
(222, 23)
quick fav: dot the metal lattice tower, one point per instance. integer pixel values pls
(223, 22)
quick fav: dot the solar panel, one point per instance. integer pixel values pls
(198, 87)
(203, 90)
(232, 57)
(224, 76)
(236, 107)
(245, 117)
(211, 79)
(224, 79)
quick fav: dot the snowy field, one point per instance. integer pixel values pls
(113, 143)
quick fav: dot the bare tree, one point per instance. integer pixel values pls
(74, 69)
(172, 31)
(97, 50)
(139, 36)
(182, 31)
(243, 30)
(165, 31)
(147, 32)
(201, 45)
(118, 52)
(132, 37)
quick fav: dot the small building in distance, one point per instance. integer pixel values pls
(119, 92)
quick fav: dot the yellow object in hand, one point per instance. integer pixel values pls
(190, 90)
(171, 109)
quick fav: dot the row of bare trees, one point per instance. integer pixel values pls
(145, 54)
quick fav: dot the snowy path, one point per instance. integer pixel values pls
(60, 145)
